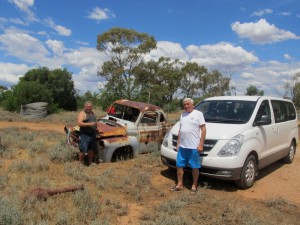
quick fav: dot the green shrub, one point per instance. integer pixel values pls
(10, 213)
(62, 153)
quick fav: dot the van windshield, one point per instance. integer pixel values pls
(224, 111)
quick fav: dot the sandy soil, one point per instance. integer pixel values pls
(276, 181)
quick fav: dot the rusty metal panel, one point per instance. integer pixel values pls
(149, 136)
(142, 106)
(105, 130)
(121, 140)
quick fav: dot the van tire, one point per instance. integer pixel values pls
(248, 173)
(291, 155)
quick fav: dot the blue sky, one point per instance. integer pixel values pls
(255, 42)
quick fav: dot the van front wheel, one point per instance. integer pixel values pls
(248, 173)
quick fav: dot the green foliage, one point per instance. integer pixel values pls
(41, 85)
(161, 79)
(2, 92)
(174, 106)
(89, 96)
(26, 92)
(129, 76)
(253, 90)
(125, 49)
(293, 89)
(215, 84)
(10, 213)
(58, 82)
(193, 81)
(61, 153)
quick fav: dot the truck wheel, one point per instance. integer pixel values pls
(290, 157)
(123, 153)
(248, 174)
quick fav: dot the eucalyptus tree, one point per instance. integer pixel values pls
(253, 90)
(293, 89)
(159, 79)
(193, 79)
(215, 84)
(125, 50)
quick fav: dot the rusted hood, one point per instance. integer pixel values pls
(107, 128)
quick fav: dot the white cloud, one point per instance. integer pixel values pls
(268, 76)
(83, 62)
(222, 55)
(243, 65)
(247, 75)
(262, 12)
(24, 6)
(287, 56)
(58, 28)
(285, 13)
(88, 61)
(57, 47)
(101, 14)
(10, 72)
(261, 32)
(20, 44)
(168, 49)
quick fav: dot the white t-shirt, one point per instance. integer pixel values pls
(190, 132)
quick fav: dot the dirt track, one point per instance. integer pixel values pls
(276, 181)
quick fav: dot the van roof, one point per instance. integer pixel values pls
(244, 98)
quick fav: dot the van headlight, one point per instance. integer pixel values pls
(232, 147)
(166, 138)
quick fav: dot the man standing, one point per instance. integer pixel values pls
(87, 122)
(190, 142)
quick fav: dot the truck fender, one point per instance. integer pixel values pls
(112, 144)
(133, 142)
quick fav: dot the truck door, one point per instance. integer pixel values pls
(150, 130)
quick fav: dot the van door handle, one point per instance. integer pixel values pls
(275, 130)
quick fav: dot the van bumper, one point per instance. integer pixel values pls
(219, 173)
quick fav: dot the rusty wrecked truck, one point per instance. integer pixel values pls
(128, 129)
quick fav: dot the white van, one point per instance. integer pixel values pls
(244, 134)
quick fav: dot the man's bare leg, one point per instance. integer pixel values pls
(180, 173)
(195, 174)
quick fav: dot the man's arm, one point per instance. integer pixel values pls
(178, 140)
(202, 138)
(81, 117)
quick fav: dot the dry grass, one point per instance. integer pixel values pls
(126, 192)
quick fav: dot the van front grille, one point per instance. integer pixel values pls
(208, 143)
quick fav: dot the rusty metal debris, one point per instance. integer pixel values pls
(43, 194)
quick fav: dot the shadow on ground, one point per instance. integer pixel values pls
(217, 184)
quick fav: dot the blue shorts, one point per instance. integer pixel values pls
(87, 142)
(188, 157)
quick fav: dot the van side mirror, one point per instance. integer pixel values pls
(264, 120)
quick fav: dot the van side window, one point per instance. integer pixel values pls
(283, 111)
(264, 110)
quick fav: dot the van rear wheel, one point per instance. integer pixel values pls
(248, 173)
(290, 157)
